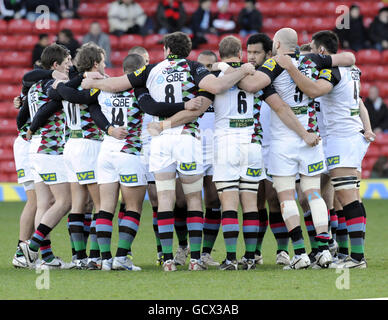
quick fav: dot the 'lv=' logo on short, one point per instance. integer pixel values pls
(87, 175)
(49, 177)
(128, 178)
(188, 166)
(254, 172)
(315, 167)
(333, 160)
(21, 173)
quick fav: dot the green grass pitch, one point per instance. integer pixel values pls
(269, 281)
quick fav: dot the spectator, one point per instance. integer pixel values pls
(44, 41)
(223, 21)
(171, 16)
(378, 30)
(12, 9)
(378, 112)
(380, 168)
(126, 16)
(355, 37)
(250, 19)
(68, 9)
(99, 38)
(66, 38)
(202, 23)
(52, 5)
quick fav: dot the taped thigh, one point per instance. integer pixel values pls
(248, 186)
(165, 185)
(283, 183)
(344, 183)
(224, 186)
(193, 187)
(310, 182)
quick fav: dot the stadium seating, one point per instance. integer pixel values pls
(18, 37)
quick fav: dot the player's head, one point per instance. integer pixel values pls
(305, 48)
(90, 57)
(56, 57)
(133, 62)
(230, 47)
(324, 42)
(285, 40)
(142, 52)
(259, 48)
(177, 43)
(207, 58)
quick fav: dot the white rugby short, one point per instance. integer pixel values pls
(146, 161)
(181, 152)
(80, 157)
(22, 160)
(116, 166)
(346, 152)
(234, 160)
(47, 168)
(293, 156)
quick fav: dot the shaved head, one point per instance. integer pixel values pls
(286, 40)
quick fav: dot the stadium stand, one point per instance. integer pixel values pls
(17, 38)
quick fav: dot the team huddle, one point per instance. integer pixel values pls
(289, 120)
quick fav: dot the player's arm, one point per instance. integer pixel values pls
(102, 122)
(364, 115)
(23, 115)
(149, 105)
(114, 84)
(36, 75)
(288, 117)
(343, 59)
(77, 96)
(309, 87)
(217, 85)
(43, 114)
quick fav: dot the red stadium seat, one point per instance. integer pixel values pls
(153, 41)
(266, 9)
(7, 166)
(384, 151)
(88, 10)
(194, 55)
(236, 7)
(365, 88)
(6, 75)
(370, 9)
(118, 57)
(300, 24)
(383, 88)
(51, 28)
(9, 92)
(27, 42)
(149, 8)
(382, 139)
(74, 25)
(114, 72)
(385, 57)
(8, 42)
(285, 9)
(102, 10)
(8, 126)
(130, 40)
(19, 26)
(310, 9)
(4, 106)
(114, 42)
(369, 56)
(369, 162)
(190, 7)
(212, 42)
(273, 24)
(373, 151)
(382, 73)
(17, 59)
(319, 24)
(3, 27)
(365, 174)
(368, 73)
(5, 154)
(7, 141)
(156, 55)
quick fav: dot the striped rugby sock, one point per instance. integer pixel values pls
(279, 230)
(333, 223)
(155, 227)
(308, 220)
(128, 227)
(76, 226)
(121, 213)
(263, 225)
(73, 253)
(94, 248)
(297, 240)
(195, 228)
(230, 229)
(104, 233)
(355, 224)
(251, 226)
(342, 234)
(211, 226)
(37, 238)
(87, 223)
(180, 224)
(46, 251)
(322, 241)
(166, 233)
(364, 215)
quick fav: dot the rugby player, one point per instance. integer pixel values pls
(288, 154)
(177, 149)
(347, 140)
(46, 155)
